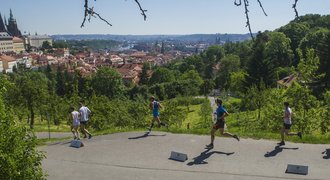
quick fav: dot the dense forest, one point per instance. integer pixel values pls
(249, 71)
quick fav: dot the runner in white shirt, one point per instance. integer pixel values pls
(84, 113)
(75, 123)
(287, 124)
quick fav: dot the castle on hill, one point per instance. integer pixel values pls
(12, 40)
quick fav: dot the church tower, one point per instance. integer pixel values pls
(2, 25)
(12, 26)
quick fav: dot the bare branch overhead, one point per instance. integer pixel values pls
(89, 12)
(295, 9)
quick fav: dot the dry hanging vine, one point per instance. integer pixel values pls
(89, 12)
(246, 4)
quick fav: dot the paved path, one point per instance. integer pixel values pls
(130, 156)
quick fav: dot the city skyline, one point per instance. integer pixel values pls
(171, 17)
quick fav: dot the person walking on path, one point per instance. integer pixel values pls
(221, 113)
(287, 124)
(154, 106)
(75, 123)
(84, 114)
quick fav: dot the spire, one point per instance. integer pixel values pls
(4, 17)
(2, 25)
(11, 15)
(12, 26)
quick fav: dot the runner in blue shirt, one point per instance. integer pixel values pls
(220, 124)
(154, 106)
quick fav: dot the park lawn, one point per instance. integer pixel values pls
(193, 117)
(42, 126)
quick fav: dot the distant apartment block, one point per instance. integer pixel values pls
(36, 41)
(6, 42)
(18, 45)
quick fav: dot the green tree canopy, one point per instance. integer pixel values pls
(107, 82)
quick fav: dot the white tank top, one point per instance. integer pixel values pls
(287, 115)
(75, 118)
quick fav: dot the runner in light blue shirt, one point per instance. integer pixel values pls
(154, 106)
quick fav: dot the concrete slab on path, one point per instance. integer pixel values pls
(133, 155)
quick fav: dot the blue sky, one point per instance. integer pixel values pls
(163, 16)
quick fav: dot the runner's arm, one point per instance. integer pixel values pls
(224, 115)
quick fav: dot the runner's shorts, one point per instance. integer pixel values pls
(287, 126)
(219, 124)
(84, 122)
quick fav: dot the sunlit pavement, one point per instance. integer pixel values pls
(133, 155)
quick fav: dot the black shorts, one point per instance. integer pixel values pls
(84, 123)
(220, 124)
(287, 126)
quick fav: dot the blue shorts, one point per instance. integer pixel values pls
(155, 113)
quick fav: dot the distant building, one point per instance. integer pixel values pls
(6, 42)
(62, 52)
(12, 28)
(7, 63)
(36, 40)
(116, 59)
(2, 25)
(25, 62)
(286, 81)
(18, 45)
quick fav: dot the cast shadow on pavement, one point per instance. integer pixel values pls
(146, 135)
(59, 143)
(326, 154)
(277, 150)
(205, 155)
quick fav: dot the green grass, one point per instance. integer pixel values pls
(193, 116)
(43, 127)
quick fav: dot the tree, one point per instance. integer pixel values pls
(144, 76)
(192, 75)
(305, 106)
(19, 157)
(229, 64)
(46, 45)
(278, 50)
(162, 75)
(325, 121)
(210, 58)
(206, 114)
(60, 83)
(259, 69)
(319, 40)
(296, 32)
(237, 82)
(107, 82)
(31, 92)
(308, 66)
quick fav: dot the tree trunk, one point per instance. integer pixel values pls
(32, 118)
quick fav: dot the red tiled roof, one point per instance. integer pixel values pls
(7, 58)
